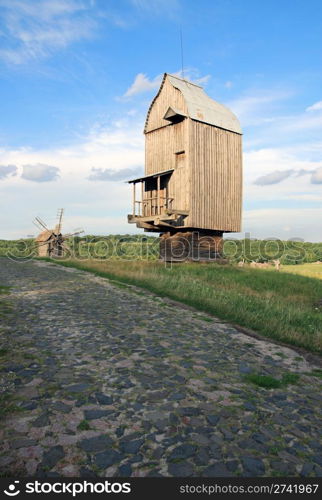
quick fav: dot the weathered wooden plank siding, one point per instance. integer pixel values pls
(169, 96)
(162, 145)
(161, 148)
(216, 177)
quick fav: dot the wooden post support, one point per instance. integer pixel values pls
(134, 198)
(191, 246)
(159, 189)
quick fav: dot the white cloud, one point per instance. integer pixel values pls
(258, 107)
(315, 107)
(192, 75)
(40, 173)
(278, 175)
(262, 109)
(143, 84)
(263, 161)
(273, 178)
(100, 174)
(317, 176)
(203, 80)
(300, 122)
(228, 84)
(36, 29)
(7, 171)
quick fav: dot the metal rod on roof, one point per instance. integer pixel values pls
(181, 52)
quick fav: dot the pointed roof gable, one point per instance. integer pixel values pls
(200, 106)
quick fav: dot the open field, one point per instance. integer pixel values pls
(283, 306)
(311, 270)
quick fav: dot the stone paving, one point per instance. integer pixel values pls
(107, 380)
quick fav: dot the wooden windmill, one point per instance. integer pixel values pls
(191, 192)
(51, 242)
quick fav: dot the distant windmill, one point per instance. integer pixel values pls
(50, 242)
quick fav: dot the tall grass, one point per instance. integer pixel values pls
(277, 305)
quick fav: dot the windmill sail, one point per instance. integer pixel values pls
(60, 218)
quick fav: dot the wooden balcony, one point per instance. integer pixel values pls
(154, 208)
(150, 207)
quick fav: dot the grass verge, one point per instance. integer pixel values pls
(269, 382)
(277, 305)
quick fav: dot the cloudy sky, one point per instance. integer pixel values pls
(77, 77)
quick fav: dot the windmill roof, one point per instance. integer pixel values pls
(201, 107)
(44, 235)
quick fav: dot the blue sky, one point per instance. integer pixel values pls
(77, 77)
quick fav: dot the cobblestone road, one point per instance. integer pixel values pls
(103, 380)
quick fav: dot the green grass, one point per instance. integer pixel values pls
(8, 405)
(205, 318)
(316, 373)
(83, 425)
(281, 355)
(265, 381)
(311, 270)
(269, 382)
(290, 378)
(274, 450)
(277, 305)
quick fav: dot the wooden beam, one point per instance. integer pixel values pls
(134, 218)
(145, 225)
(158, 222)
(131, 219)
(177, 212)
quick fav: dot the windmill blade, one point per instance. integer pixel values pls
(43, 243)
(38, 226)
(38, 219)
(60, 217)
(41, 222)
(69, 235)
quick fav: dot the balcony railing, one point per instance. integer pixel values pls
(152, 206)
